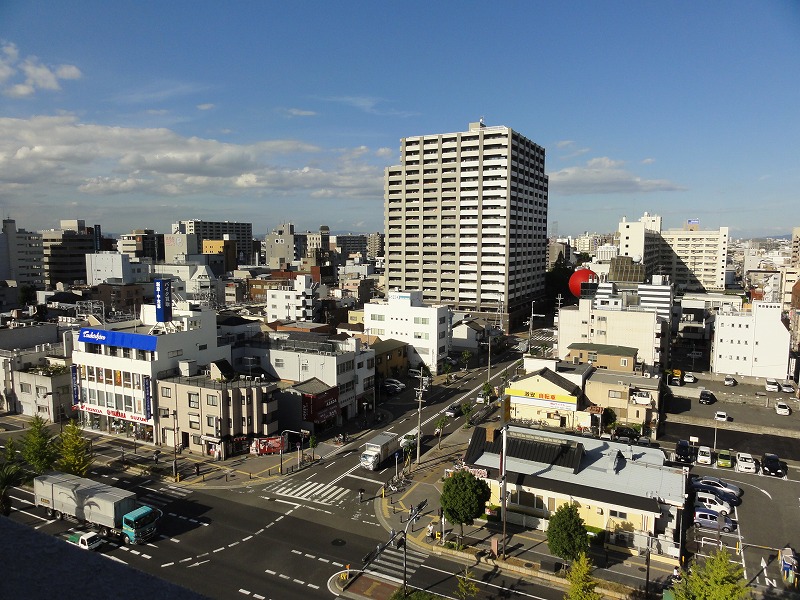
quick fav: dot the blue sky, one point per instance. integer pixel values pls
(137, 114)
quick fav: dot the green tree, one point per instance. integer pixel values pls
(467, 588)
(464, 498)
(75, 450)
(467, 408)
(441, 423)
(312, 443)
(39, 447)
(488, 391)
(581, 583)
(10, 476)
(466, 356)
(11, 450)
(26, 295)
(718, 578)
(566, 533)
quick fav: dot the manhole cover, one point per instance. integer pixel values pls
(642, 569)
(529, 565)
(338, 542)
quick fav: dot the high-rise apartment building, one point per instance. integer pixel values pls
(795, 260)
(694, 259)
(215, 230)
(466, 220)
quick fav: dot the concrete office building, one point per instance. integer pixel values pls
(142, 243)
(466, 221)
(65, 251)
(242, 233)
(21, 255)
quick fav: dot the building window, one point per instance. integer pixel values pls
(623, 362)
(166, 392)
(211, 400)
(210, 421)
(196, 440)
(128, 403)
(375, 317)
(616, 514)
(614, 394)
(41, 392)
(194, 421)
(194, 400)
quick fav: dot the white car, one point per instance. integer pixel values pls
(395, 383)
(745, 463)
(787, 387)
(771, 385)
(729, 380)
(704, 455)
(721, 416)
(782, 408)
(689, 378)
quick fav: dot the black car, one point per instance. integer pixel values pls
(683, 452)
(774, 466)
(454, 410)
(625, 432)
(390, 389)
(706, 397)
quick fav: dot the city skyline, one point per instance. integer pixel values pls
(134, 115)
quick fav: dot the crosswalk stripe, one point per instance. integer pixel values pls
(322, 493)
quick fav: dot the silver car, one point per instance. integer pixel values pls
(716, 482)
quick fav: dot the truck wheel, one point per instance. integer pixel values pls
(104, 531)
(126, 540)
(58, 515)
(49, 512)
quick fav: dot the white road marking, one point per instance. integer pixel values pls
(247, 538)
(169, 564)
(245, 592)
(270, 572)
(220, 549)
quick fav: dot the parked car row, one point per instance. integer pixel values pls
(714, 500)
(741, 462)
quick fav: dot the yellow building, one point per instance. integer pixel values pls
(626, 492)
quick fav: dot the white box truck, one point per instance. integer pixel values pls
(378, 449)
(111, 510)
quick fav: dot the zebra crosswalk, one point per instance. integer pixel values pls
(390, 563)
(321, 493)
(159, 498)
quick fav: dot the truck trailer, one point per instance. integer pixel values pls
(112, 511)
(378, 449)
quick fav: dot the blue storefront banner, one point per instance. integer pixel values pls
(76, 386)
(148, 398)
(162, 289)
(136, 341)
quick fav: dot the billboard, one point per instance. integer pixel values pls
(269, 445)
(163, 297)
(104, 337)
(76, 386)
(148, 399)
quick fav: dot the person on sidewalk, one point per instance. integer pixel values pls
(430, 530)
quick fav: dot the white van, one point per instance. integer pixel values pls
(709, 500)
(704, 455)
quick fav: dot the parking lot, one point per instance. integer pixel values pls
(765, 521)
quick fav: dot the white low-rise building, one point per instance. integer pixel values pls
(403, 316)
(752, 342)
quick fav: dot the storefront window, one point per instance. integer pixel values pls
(92, 396)
(110, 400)
(101, 397)
(128, 403)
(118, 403)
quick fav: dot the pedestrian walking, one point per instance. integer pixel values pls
(430, 530)
(410, 511)
(197, 469)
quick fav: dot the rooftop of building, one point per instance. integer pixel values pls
(633, 476)
(607, 349)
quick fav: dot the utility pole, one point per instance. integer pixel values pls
(423, 385)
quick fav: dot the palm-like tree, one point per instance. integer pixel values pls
(10, 476)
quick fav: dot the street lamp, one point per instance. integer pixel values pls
(503, 486)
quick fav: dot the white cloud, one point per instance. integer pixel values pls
(384, 152)
(299, 112)
(35, 75)
(370, 105)
(61, 157)
(604, 175)
(648, 161)
(206, 106)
